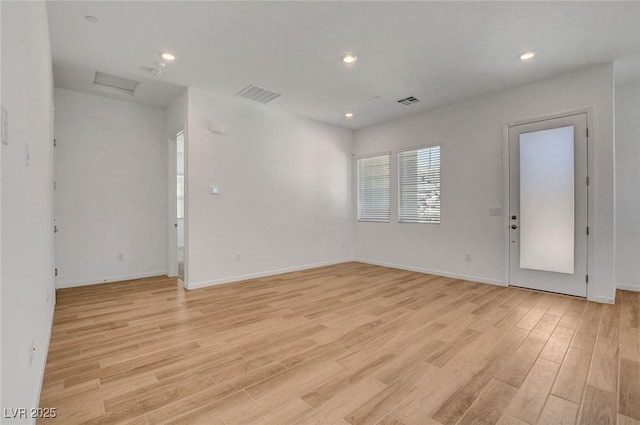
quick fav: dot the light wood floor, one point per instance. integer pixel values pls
(338, 345)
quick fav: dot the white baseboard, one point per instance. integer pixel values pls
(46, 354)
(111, 279)
(204, 284)
(434, 272)
(628, 287)
(600, 299)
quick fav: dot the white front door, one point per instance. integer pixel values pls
(548, 190)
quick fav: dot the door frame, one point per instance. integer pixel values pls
(506, 206)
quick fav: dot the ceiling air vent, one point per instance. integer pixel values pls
(409, 100)
(258, 94)
(114, 83)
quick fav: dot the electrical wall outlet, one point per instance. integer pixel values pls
(32, 352)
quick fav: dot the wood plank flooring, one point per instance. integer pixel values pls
(346, 344)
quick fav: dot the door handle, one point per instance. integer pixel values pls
(513, 226)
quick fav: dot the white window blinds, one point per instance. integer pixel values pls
(373, 188)
(419, 174)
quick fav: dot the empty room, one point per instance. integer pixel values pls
(320, 213)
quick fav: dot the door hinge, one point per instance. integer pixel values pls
(587, 279)
(588, 181)
(55, 229)
(587, 132)
(54, 186)
(55, 143)
(56, 271)
(587, 230)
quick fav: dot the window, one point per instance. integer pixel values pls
(373, 188)
(180, 196)
(419, 174)
(180, 174)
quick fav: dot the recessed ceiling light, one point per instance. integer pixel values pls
(168, 57)
(348, 114)
(91, 19)
(349, 58)
(527, 55)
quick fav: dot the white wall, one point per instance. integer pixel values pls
(111, 193)
(28, 295)
(285, 191)
(1, 103)
(176, 119)
(627, 183)
(471, 136)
